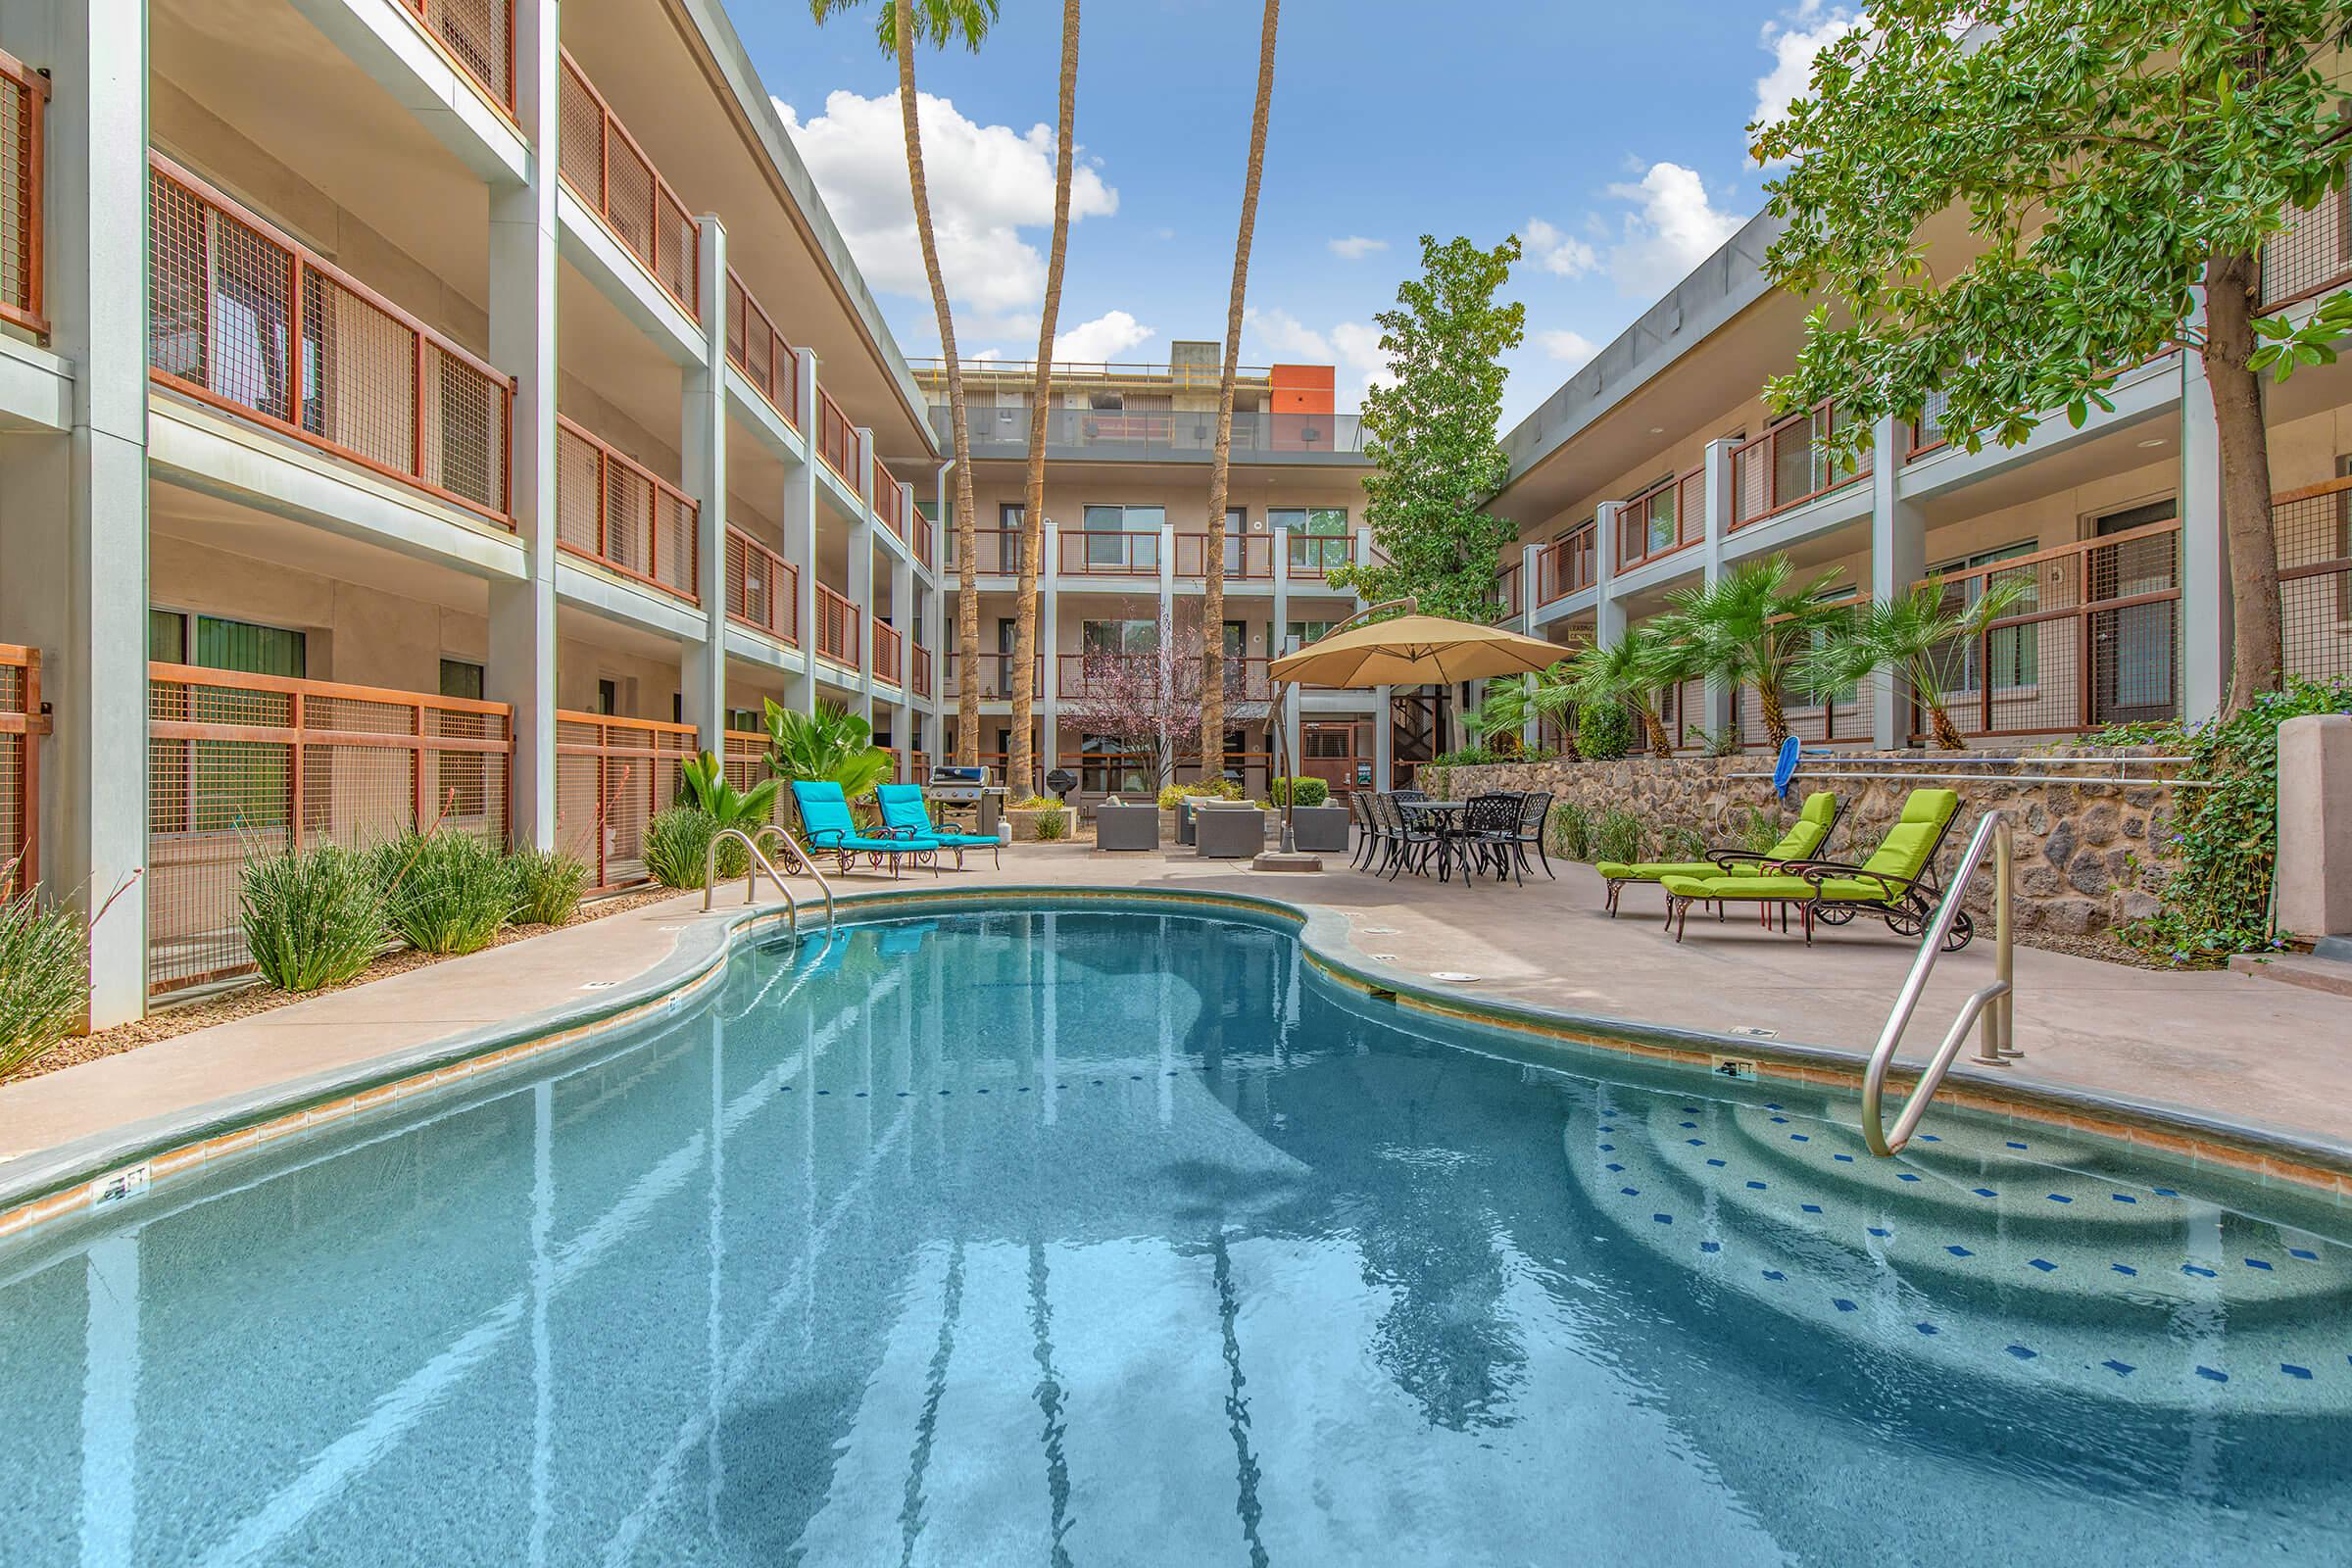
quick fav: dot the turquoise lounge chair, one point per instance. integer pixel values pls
(903, 806)
(826, 822)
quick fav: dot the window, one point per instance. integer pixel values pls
(1658, 521)
(1318, 535)
(221, 786)
(608, 698)
(461, 679)
(2012, 653)
(212, 642)
(1010, 519)
(748, 719)
(1305, 632)
(1123, 538)
(1118, 636)
(1106, 769)
(1237, 533)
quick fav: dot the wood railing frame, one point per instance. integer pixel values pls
(783, 592)
(29, 148)
(609, 454)
(601, 201)
(744, 316)
(30, 724)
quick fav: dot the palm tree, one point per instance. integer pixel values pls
(1910, 636)
(1630, 670)
(832, 744)
(1022, 763)
(939, 22)
(1509, 704)
(1212, 602)
(1752, 627)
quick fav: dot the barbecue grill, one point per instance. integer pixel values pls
(966, 789)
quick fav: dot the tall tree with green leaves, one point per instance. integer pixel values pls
(2092, 171)
(1212, 602)
(899, 25)
(1430, 435)
(1021, 765)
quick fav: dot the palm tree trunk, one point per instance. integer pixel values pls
(1776, 718)
(968, 566)
(1661, 744)
(1212, 602)
(2257, 654)
(1947, 733)
(1023, 761)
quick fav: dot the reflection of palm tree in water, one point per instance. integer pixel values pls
(1237, 1406)
(1049, 1401)
(1445, 1338)
(927, 1428)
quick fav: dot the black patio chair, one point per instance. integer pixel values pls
(1367, 833)
(1411, 842)
(1487, 836)
(1535, 810)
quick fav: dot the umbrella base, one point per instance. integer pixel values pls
(1277, 860)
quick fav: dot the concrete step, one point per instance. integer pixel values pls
(2310, 970)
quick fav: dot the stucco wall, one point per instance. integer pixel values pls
(2083, 856)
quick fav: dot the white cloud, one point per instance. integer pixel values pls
(987, 185)
(1572, 349)
(1355, 247)
(1675, 226)
(1562, 254)
(1106, 338)
(1351, 347)
(1792, 40)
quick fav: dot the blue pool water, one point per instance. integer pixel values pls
(1033, 1237)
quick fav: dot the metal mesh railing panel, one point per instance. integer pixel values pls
(612, 775)
(18, 802)
(21, 110)
(2314, 581)
(479, 34)
(2311, 256)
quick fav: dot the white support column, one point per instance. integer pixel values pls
(2207, 613)
(902, 619)
(521, 668)
(800, 537)
(1718, 482)
(702, 452)
(74, 509)
(1048, 651)
(860, 585)
(1898, 558)
(1608, 615)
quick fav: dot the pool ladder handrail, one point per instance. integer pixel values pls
(1994, 1003)
(759, 863)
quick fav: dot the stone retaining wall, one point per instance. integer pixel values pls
(2084, 850)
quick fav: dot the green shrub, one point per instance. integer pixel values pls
(547, 886)
(677, 848)
(446, 892)
(1758, 831)
(1310, 791)
(2224, 840)
(1053, 819)
(1572, 831)
(44, 977)
(313, 917)
(1682, 844)
(1472, 757)
(1617, 837)
(1604, 731)
(1207, 789)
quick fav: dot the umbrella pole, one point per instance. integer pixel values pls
(1282, 760)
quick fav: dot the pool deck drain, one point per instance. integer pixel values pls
(2235, 1049)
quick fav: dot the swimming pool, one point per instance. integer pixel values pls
(1090, 1235)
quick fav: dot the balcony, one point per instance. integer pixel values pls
(1102, 675)
(24, 100)
(1670, 516)
(836, 439)
(890, 653)
(478, 36)
(1160, 435)
(890, 502)
(21, 725)
(1569, 565)
(1248, 557)
(2311, 256)
(756, 349)
(611, 175)
(1316, 556)
(2315, 579)
(919, 672)
(995, 677)
(234, 306)
(1791, 464)
(612, 777)
(836, 629)
(614, 510)
(763, 589)
(1109, 553)
(1510, 596)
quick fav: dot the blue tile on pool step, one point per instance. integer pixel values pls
(1986, 1191)
(1844, 1306)
(1773, 1274)
(1696, 1142)
(2256, 1262)
(2122, 1369)
(1781, 1120)
(2013, 1143)
(1717, 1164)
(1614, 1167)
(1958, 1250)
(2303, 1252)
(1609, 1148)
(1906, 1176)
(2124, 1269)
(2041, 1263)
(1877, 1231)
(1630, 1191)
(1755, 1187)
(1663, 1219)
(1686, 1126)
(1800, 1138)
(2123, 1197)
(1847, 1158)
(2020, 1353)
(2211, 1376)
(2060, 1197)
(2164, 1192)
(1810, 1208)
(1710, 1247)
(2201, 1273)
(2294, 1371)
(1926, 1328)
(1931, 1138)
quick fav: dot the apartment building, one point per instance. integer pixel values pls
(415, 411)
(1658, 465)
(1125, 532)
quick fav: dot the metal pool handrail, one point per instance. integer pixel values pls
(1995, 1003)
(800, 858)
(750, 877)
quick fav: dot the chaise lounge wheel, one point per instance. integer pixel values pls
(1834, 914)
(1958, 937)
(1906, 925)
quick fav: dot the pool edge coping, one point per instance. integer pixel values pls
(55, 1183)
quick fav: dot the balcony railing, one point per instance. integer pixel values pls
(480, 36)
(23, 101)
(1248, 557)
(1319, 554)
(1509, 591)
(2314, 530)
(1567, 565)
(1099, 675)
(836, 627)
(617, 512)
(2311, 256)
(234, 307)
(763, 589)
(890, 652)
(1109, 553)
(1790, 464)
(606, 169)
(919, 672)
(890, 502)
(20, 730)
(612, 777)
(836, 438)
(996, 676)
(2094, 641)
(756, 349)
(242, 765)
(1928, 433)
(1161, 433)
(1669, 515)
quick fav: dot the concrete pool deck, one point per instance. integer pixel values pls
(2220, 1045)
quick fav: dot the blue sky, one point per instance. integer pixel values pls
(1608, 137)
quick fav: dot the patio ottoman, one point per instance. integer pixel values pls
(1229, 832)
(1320, 829)
(1126, 827)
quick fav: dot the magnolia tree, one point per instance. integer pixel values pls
(1148, 702)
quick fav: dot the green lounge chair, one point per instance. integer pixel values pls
(826, 822)
(1897, 883)
(1815, 823)
(905, 809)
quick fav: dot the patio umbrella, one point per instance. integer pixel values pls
(1416, 651)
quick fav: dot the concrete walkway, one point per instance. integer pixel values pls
(2230, 1046)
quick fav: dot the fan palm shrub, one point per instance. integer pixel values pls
(1631, 671)
(1910, 636)
(1752, 627)
(831, 744)
(312, 918)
